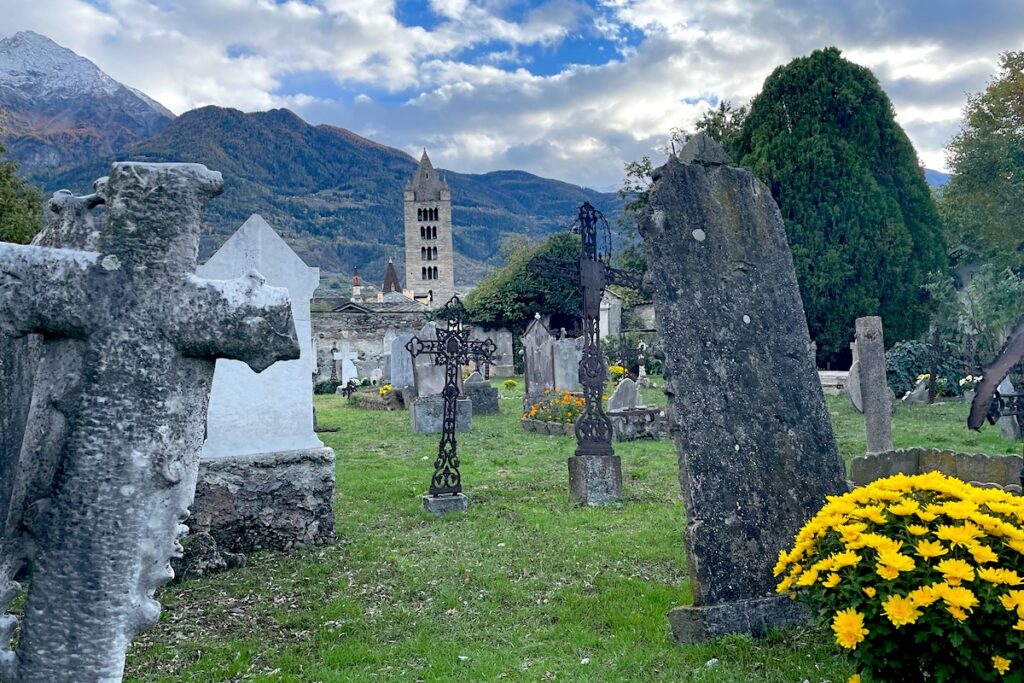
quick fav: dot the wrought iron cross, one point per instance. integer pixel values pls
(453, 348)
(593, 429)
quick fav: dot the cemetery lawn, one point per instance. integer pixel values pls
(523, 587)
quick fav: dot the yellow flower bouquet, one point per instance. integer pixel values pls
(562, 406)
(919, 578)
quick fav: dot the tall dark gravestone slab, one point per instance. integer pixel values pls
(756, 451)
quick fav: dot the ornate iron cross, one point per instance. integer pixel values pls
(453, 348)
(593, 429)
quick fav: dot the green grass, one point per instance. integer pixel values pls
(523, 587)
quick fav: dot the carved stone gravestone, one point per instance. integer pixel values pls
(107, 518)
(401, 363)
(757, 455)
(538, 361)
(873, 385)
(483, 396)
(625, 397)
(567, 356)
(504, 364)
(427, 411)
(265, 479)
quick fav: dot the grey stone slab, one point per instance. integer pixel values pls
(441, 505)
(567, 354)
(484, 398)
(538, 360)
(428, 375)
(853, 388)
(427, 415)
(401, 374)
(625, 397)
(874, 388)
(127, 458)
(756, 450)
(868, 468)
(595, 479)
(756, 616)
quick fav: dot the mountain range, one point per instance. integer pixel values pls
(335, 196)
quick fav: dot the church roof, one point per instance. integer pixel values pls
(391, 283)
(389, 305)
(426, 184)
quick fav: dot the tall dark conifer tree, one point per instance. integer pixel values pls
(860, 218)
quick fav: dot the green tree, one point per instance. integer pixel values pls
(983, 201)
(725, 124)
(510, 296)
(20, 207)
(861, 221)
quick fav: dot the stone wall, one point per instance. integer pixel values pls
(276, 501)
(16, 369)
(1002, 470)
(368, 335)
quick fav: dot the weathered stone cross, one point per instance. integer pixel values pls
(98, 541)
(453, 348)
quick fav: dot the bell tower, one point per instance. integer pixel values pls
(429, 255)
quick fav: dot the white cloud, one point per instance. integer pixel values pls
(469, 88)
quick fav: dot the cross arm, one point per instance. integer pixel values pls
(46, 291)
(417, 346)
(482, 350)
(624, 278)
(242, 319)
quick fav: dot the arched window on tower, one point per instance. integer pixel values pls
(423, 253)
(435, 272)
(423, 273)
(433, 232)
(434, 249)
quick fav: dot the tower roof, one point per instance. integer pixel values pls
(391, 283)
(356, 280)
(426, 183)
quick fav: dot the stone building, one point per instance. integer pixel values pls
(429, 255)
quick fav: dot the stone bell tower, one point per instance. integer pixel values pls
(429, 256)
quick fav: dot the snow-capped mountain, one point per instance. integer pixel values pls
(58, 108)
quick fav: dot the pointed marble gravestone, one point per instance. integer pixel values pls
(538, 361)
(429, 376)
(266, 480)
(756, 450)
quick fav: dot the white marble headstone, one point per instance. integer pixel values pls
(272, 411)
(428, 375)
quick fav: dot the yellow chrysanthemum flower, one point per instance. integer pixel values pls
(924, 596)
(870, 591)
(957, 613)
(917, 529)
(847, 558)
(1012, 600)
(855, 678)
(900, 610)
(982, 554)
(954, 571)
(898, 561)
(929, 549)
(958, 596)
(1019, 626)
(995, 575)
(887, 572)
(808, 578)
(873, 513)
(905, 507)
(959, 535)
(831, 581)
(848, 626)
(1001, 664)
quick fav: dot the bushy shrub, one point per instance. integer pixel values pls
(328, 386)
(918, 577)
(558, 406)
(510, 384)
(906, 361)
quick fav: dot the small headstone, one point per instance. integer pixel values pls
(538, 361)
(483, 396)
(625, 397)
(401, 363)
(874, 387)
(376, 375)
(567, 356)
(919, 396)
(853, 388)
(429, 377)
(756, 448)
(1009, 426)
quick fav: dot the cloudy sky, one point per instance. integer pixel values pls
(569, 89)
